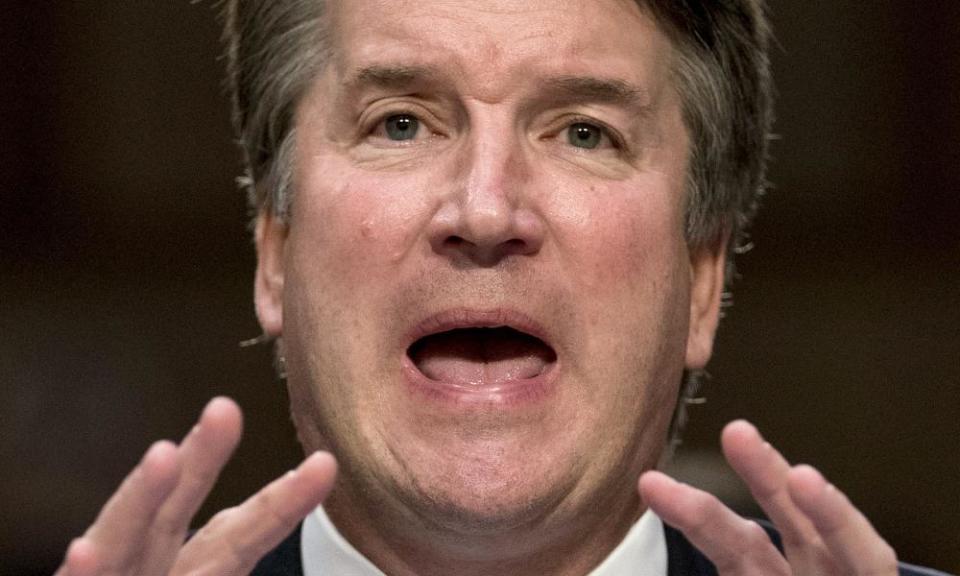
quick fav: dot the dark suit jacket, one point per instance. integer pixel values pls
(682, 558)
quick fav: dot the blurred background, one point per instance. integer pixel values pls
(125, 267)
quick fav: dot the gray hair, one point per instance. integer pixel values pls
(722, 73)
(275, 48)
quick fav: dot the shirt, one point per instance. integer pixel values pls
(643, 551)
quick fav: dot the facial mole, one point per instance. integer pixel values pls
(367, 228)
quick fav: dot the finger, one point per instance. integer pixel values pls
(765, 471)
(117, 535)
(845, 531)
(203, 453)
(735, 546)
(235, 539)
(80, 559)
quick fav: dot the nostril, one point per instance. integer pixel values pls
(454, 242)
(515, 245)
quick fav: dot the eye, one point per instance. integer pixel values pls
(401, 127)
(584, 135)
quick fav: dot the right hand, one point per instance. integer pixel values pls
(823, 533)
(141, 530)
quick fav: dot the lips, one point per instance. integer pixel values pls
(480, 350)
(481, 356)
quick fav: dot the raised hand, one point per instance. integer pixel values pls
(823, 533)
(142, 528)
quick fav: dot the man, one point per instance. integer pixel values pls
(492, 241)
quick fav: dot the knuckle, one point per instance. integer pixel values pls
(887, 559)
(199, 479)
(726, 560)
(883, 562)
(703, 507)
(169, 525)
(220, 566)
(272, 506)
(221, 519)
(880, 571)
(238, 558)
(754, 535)
(891, 554)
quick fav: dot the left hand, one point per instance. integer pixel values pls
(141, 530)
(823, 533)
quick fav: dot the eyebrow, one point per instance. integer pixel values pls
(577, 89)
(388, 76)
(560, 89)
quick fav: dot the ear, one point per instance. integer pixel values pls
(271, 237)
(707, 269)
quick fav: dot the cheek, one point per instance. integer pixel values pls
(631, 244)
(632, 281)
(356, 226)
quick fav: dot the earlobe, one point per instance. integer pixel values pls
(270, 236)
(707, 269)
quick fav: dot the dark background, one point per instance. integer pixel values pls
(125, 267)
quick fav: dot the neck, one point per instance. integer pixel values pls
(406, 545)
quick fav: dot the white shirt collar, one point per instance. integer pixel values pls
(643, 552)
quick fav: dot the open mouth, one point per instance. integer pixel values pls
(481, 356)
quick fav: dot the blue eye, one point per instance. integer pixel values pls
(401, 127)
(583, 135)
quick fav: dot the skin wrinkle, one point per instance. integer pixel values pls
(366, 256)
(437, 479)
(590, 93)
(734, 60)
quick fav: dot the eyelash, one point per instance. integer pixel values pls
(376, 123)
(616, 141)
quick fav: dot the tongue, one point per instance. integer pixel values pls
(479, 357)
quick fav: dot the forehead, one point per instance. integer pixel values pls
(497, 41)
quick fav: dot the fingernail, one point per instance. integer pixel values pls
(808, 469)
(80, 552)
(324, 455)
(671, 480)
(213, 402)
(741, 426)
(150, 456)
(307, 461)
(819, 483)
(152, 451)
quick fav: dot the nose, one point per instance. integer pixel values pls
(491, 213)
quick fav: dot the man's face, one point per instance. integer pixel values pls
(484, 293)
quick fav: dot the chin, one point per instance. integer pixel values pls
(493, 482)
(487, 503)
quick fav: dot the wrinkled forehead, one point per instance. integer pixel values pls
(493, 39)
